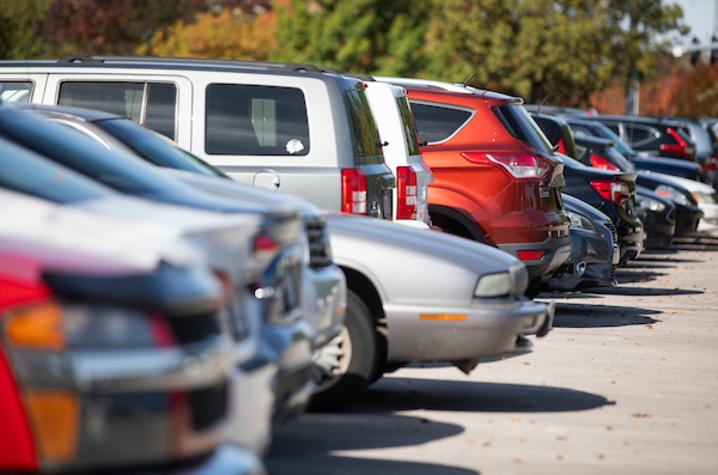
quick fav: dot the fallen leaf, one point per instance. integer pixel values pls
(601, 456)
(609, 428)
(650, 326)
(641, 415)
(559, 457)
(708, 406)
(561, 437)
(515, 418)
(486, 444)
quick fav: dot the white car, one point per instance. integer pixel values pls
(706, 197)
(392, 114)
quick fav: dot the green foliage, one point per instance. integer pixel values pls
(18, 18)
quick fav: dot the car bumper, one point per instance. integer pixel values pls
(687, 219)
(709, 221)
(557, 250)
(323, 302)
(660, 228)
(587, 250)
(252, 407)
(439, 332)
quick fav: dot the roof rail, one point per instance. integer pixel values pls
(360, 76)
(98, 59)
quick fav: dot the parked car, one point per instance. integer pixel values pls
(668, 166)
(687, 213)
(657, 214)
(288, 127)
(417, 295)
(402, 154)
(277, 253)
(323, 284)
(692, 193)
(594, 251)
(496, 179)
(612, 193)
(139, 327)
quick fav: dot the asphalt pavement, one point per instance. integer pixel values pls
(627, 382)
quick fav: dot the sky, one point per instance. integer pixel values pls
(700, 16)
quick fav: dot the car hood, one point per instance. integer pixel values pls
(690, 185)
(415, 264)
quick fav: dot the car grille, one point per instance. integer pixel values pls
(613, 272)
(319, 251)
(208, 406)
(193, 328)
(612, 227)
(671, 217)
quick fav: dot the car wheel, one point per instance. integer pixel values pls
(347, 363)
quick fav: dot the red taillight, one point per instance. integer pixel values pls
(561, 148)
(353, 191)
(711, 164)
(406, 193)
(601, 163)
(677, 148)
(516, 165)
(264, 246)
(530, 255)
(611, 190)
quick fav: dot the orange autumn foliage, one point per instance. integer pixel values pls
(230, 34)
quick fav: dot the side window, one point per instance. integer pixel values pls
(148, 104)
(639, 134)
(437, 123)
(613, 127)
(15, 91)
(407, 120)
(364, 131)
(256, 120)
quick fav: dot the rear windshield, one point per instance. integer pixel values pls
(407, 121)
(436, 123)
(15, 91)
(520, 125)
(156, 148)
(256, 120)
(148, 104)
(26, 172)
(365, 134)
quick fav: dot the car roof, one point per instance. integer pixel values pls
(591, 140)
(445, 87)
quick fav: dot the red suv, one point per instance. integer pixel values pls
(497, 179)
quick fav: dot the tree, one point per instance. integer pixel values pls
(18, 38)
(377, 36)
(231, 34)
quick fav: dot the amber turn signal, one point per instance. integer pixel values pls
(38, 326)
(54, 416)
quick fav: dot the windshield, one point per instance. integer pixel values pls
(156, 148)
(26, 172)
(519, 124)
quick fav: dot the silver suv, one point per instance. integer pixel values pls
(295, 128)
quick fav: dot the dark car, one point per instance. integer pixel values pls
(653, 136)
(277, 281)
(658, 216)
(594, 253)
(613, 194)
(668, 166)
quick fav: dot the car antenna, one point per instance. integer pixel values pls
(474, 74)
(538, 111)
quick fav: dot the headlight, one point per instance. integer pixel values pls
(493, 285)
(649, 203)
(706, 198)
(581, 223)
(672, 193)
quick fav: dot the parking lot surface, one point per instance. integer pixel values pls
(627, 382)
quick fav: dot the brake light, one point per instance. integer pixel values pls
(264, 247)
(611, 190)
(406, 193)
(353, 191)
(601, 163)
(677, 148)
(534, 255)
(561, 148)
(711, 164)
(516, 165)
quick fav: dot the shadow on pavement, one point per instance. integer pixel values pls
(304, 446)
(655, 257)
(695, 243)
(401, 394)
(578, 315)
(626, 276)
(642, 291)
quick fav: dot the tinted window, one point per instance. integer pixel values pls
(26, 172)
(256, 120)
(149, 104)
(154, 148)
(520, 125)
(12, 91)
(437, 123)
(407, 121)
(365, 134)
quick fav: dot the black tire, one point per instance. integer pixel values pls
(364, 363)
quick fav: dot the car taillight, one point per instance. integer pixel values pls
(677, 148)
(711, 164)
(406, 193)
(516, 165)
(264, 247)
(533, 255)
(354, 194)
(611, 190)
(561, 148)
(601, 163)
